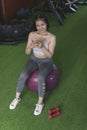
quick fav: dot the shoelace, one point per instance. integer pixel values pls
(37, 108)
(15, 100)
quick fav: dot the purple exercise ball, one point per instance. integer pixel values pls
(51, 81)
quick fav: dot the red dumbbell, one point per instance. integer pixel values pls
(55, 114)
(51, 111)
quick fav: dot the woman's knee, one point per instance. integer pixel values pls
(23, 76)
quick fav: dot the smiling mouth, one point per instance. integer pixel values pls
(42, 30)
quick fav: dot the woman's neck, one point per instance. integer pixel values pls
(42, 33)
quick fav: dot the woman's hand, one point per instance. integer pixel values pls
(37, 44)
(32, 45)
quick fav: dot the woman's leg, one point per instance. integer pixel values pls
(44, 69)
(29, 68)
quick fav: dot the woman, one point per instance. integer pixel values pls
(42, 43)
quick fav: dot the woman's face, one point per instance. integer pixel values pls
(41, 26)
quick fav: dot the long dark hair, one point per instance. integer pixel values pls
(41, 17)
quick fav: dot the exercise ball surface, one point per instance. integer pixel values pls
(51, 80)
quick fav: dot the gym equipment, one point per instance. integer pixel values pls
(81, 2)
(53, 5)
(54, 115)
(52, 111)
(51, 81)
(70, 5)
(14, 33)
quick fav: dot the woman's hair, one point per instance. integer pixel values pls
(41, 17)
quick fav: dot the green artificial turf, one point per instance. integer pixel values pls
(70, 94)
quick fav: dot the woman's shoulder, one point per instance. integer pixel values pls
(32, 33)
(51, 35)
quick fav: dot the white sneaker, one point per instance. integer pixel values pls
(14, 103)
(38, 109)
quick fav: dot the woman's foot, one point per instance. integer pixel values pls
(38, 109)
(14, 103)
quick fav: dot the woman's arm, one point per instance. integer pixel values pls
(50, 51)
(30, 45)
(28, 48)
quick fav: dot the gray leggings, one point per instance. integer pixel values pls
(43, 65)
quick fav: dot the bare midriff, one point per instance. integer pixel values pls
(39, 56)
